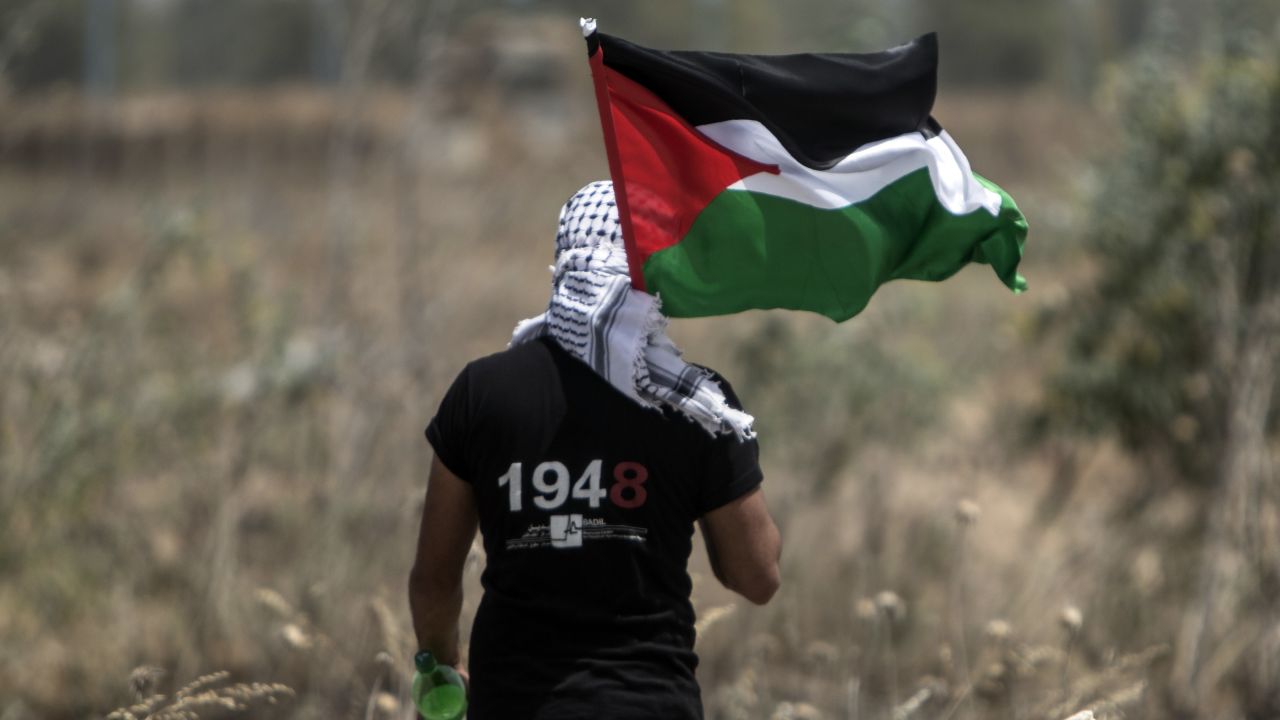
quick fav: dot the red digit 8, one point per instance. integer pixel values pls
(629, 475)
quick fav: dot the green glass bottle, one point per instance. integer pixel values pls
(438, 690)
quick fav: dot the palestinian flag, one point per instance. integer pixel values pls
(790, 181)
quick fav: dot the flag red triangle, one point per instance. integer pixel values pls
(664, 171)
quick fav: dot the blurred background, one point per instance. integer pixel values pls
(246, 244)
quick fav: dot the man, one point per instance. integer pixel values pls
(585, 452)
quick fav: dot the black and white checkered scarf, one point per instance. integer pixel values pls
(620, 332)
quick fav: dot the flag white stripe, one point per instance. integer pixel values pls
(861, 174)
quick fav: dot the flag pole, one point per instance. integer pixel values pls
(595, 54)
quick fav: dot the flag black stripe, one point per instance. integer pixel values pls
(820, 106)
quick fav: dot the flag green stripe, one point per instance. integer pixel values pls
(751, 250)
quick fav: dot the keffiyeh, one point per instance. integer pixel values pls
(620, 332)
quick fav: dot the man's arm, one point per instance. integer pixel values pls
(744, 545)
(449, 522)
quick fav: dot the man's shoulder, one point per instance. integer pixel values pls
(511, 359)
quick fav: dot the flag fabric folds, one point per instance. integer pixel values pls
(790, 181)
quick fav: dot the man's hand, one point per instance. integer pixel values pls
(466, 678)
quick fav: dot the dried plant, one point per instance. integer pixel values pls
(202, 698)
(788, 710)
(966, 515)
(894, 611)
(391, 635)
(930, 692)
(1108, 690)
(711, 617)
(1071, 620)
(143, 680)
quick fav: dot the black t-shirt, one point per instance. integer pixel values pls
(586, 504)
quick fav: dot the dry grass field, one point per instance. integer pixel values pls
(226, 318)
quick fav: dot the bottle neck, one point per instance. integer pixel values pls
(425, 662)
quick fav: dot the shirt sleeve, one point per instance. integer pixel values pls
(449, 430)
(733, 465)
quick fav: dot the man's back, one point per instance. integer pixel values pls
(586, 501)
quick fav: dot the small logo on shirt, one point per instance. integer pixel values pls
(571, 531)
(566, 531)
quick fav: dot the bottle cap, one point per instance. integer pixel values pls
(424, 661)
